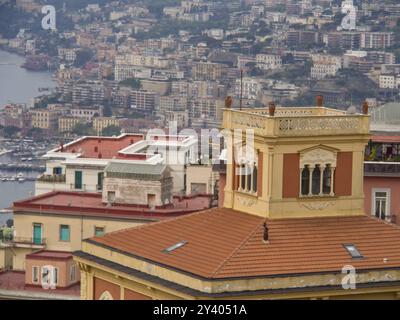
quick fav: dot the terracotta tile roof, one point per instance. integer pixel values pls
(222, 243)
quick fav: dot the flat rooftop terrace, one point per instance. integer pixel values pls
(91, 204)
(98, 147)
(12, 286)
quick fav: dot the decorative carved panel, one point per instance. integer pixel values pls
(320, 205)
(106, 295)
(318, 156)
(246, 202)
(317, 126)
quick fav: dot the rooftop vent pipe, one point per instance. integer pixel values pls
(266, 233)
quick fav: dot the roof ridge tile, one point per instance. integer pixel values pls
(235, 251)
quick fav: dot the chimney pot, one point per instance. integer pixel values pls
(228, 102)
(320, 101)
(271, 109)
(365, 107)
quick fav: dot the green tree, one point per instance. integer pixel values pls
(373, 154)
(11, 131)
(111, 131)
(131, 82)
(107, 111)
(83, 129)
(83, 57)
(46, 100)
(156, 7)
(36, 133)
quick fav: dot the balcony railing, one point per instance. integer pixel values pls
(86, 187)
(27, 241)
(58, 178)
(381, 169)
(300, 112)
(312, 121)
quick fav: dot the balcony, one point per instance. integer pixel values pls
(297, 122)
(381, 169)
(26, 242)
(84, 187)
(48, 178)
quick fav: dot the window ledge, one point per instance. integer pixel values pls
(315, 197)
(253, 194)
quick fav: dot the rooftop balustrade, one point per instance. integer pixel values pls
(288, 122)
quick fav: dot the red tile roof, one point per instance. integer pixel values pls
(102, 147)
(222, 243)
(91, 204)
(49, 255)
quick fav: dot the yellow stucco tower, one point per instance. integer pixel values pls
(306, 162)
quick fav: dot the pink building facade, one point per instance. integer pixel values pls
(382, 197)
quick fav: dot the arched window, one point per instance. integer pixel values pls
(247, 177)
(317, 172)
(305, 181)
(246, 169)
(321, 180)
(327, 180)
(255, 176)
(316, 180)
(243, 177)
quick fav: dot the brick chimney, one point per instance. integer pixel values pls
(228, 102)
(320, 101)
(365, 107)
(271, 109)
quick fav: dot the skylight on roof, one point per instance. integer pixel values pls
(175, 246)
(353, 251)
